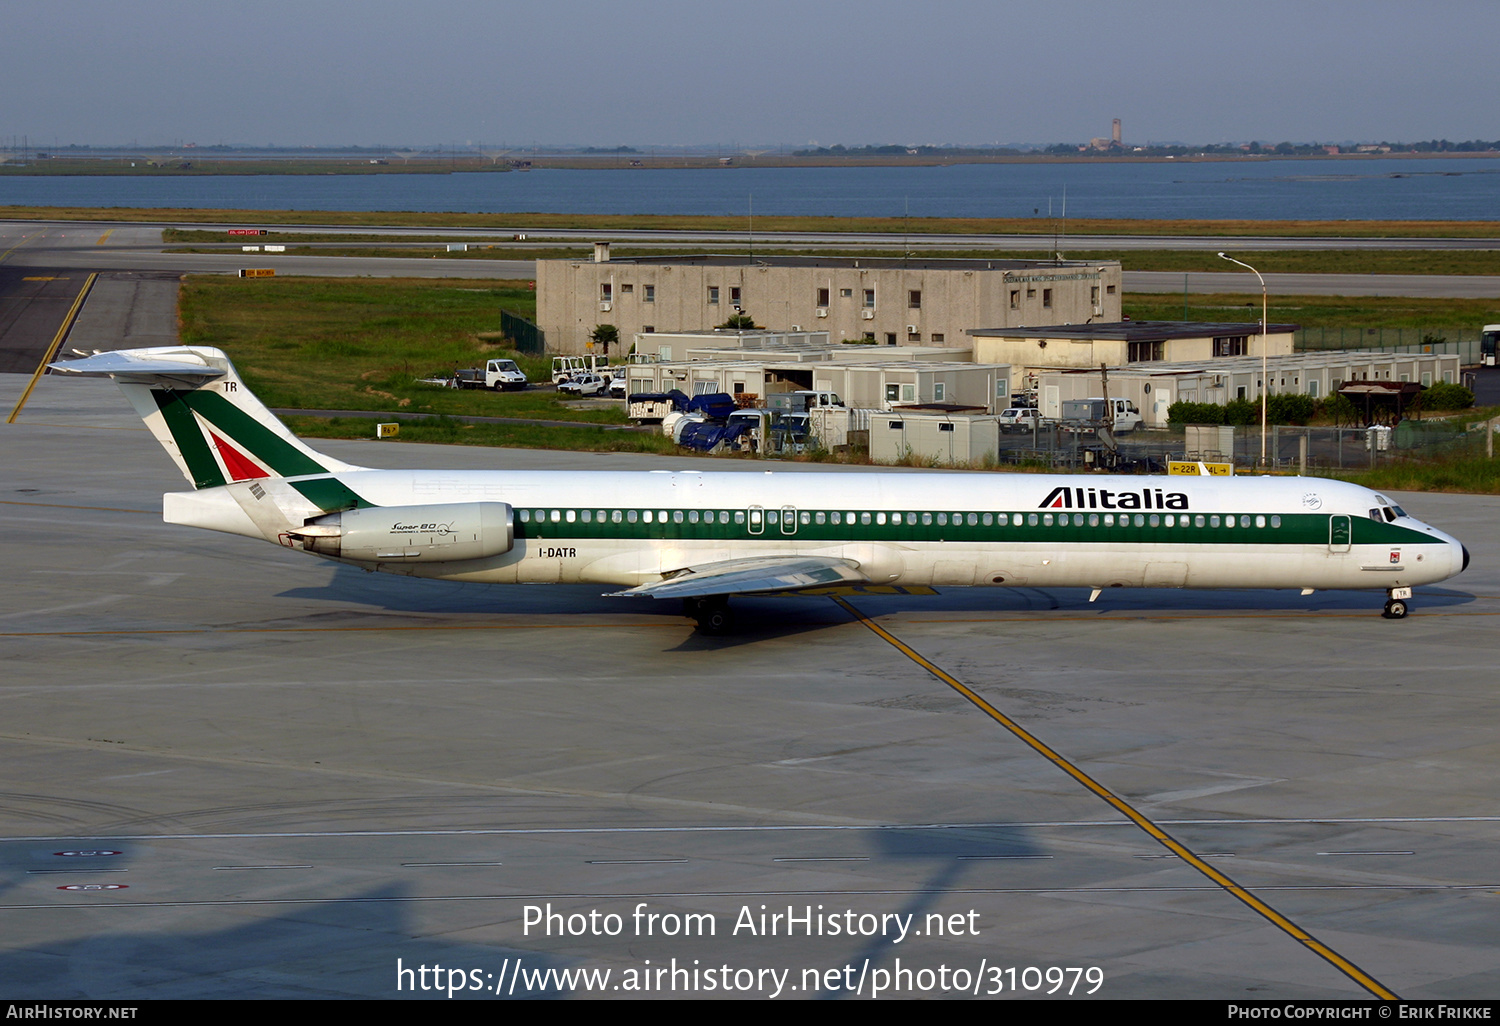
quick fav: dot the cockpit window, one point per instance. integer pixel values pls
(1390, 514)
(1399, 511)
(1375, 516)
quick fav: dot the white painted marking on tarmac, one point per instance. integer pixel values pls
(1204, 792)
(828, 858)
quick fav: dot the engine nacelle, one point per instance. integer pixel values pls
(435, 533)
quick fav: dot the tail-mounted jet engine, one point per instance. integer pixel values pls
(437, 533)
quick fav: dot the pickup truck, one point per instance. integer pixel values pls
(1089, 415)
(497, 374)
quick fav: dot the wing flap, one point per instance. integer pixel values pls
(757, 575)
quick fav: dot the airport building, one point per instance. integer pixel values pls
(890, 302)
(1155, 387)
(1035, 350)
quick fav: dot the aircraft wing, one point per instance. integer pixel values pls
(752, 576)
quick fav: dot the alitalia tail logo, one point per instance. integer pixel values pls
(1068, 497)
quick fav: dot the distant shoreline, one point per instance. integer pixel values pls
(191, 163)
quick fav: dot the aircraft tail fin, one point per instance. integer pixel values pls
(211, 425)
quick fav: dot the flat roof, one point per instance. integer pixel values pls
(1138, 331)
(864, 263)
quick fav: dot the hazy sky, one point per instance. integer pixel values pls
(295, 72)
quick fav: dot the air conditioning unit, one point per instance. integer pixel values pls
(868, 315)
(1098, 311)
(911, 329)
(796, 327)
(605, 307)
(822, 311)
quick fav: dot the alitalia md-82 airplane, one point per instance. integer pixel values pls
(703, 537)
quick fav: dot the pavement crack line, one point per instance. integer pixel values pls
(1120, 805)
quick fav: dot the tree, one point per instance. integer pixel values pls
(605, 335)
(740, 322)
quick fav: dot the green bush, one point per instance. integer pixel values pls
(1290, 408)
(1241, 411)
(1180, 413)
(1444, 396)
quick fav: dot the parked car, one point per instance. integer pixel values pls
(1020, 418)
(585, 384)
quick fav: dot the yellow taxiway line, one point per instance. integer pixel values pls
(1120, 805)
(57, 341)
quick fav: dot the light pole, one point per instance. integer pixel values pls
(1265, 380)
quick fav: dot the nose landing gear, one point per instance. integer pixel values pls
(1395, 603)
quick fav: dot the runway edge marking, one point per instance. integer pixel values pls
(1173, 845)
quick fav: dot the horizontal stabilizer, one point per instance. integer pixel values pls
(130, 365)
(753, 576)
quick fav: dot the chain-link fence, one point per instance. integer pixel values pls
(1444, 341)
(1286, 448)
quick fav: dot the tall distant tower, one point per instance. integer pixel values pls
(1115, 131)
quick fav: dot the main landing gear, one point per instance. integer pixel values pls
(711, 612)
(1395, 603)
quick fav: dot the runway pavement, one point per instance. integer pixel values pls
(137, 248)
(289, 775)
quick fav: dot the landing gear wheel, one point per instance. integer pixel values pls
(711, 613)
(1395, 609)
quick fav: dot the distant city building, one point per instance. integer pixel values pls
(887, 302)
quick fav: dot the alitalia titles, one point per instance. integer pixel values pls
(1069, 497)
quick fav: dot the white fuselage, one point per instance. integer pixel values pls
(911, 529)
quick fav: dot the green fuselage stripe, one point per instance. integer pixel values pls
(330, 494)
(1295, 529)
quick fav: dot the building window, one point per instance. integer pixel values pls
(1030, 293)
(845, 293)
(939, 392)
(868, 336)
(1109, 290)
(913, 336)
(647, 329)
(649, 294)
(1139, 352)
(1046, 297)
(734, 296)
(713, 295)
(822, 297)
(1232, 345)
(914, 299)
(1094, 294)
(606, 292)
(626, 290)
(937, 336)
(869, 299)
(1015, 299)
(946, 426)
(892, 393)
(890, 338)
